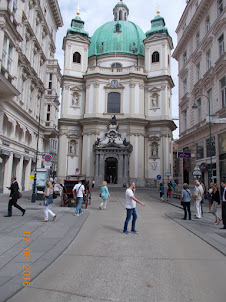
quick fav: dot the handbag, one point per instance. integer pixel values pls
(100, 194)
(54, 195)
(19, 194)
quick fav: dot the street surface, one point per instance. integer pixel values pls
(169, 261)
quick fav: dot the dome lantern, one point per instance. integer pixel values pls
(120, 11)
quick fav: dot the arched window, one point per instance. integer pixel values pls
(118, 28)
(120, 15)
(76, 57)
(114, 100)
(155, 57)
(116, 65)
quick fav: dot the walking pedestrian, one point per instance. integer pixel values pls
(186, 201)
(209, 197)
(79, 191)
(223, 184)
(174, 186)
(215, 203)
(93, 184)
(169, 191)
(162, 191)
(48, 200)
(131, 209)
(202, 201)
(104, 193)
(198, 194)
(13, 197)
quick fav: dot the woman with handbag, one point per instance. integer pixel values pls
(186, 201)
(48, 200)
(104, 193)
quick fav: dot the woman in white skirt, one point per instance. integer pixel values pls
(48, 200)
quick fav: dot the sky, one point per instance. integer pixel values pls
(97, 12)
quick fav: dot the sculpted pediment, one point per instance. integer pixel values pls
(155, 89)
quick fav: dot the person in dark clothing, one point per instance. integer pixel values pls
(215, 203)
(223, 184)
(13, 197)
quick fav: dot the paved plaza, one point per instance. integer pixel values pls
(89, 259)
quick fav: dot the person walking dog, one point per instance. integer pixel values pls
(104, 194)
(131, 209)
(13, 197)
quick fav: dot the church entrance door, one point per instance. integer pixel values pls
(111, 170)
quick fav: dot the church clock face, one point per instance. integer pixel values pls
(114, 83)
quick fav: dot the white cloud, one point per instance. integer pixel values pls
(97, 12)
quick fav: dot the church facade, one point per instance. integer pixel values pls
(116, 121)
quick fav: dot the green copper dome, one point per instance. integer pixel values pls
(117, 37)
(157, 27)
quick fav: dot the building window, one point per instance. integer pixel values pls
(118, 28)
(185, 57)
(7, 55)
(114, 102)
(155, 57)
(116, 65)
(185, 120)
(50, 80)
(210, 96)
(223, 91)
(120, 15)
(12, 6)
(200, 150)
(208, 59)
(220, 7)
(185, 84)
(207, 23)
(198, 71)
(199, 103)
(221, 45)
(198, 38)
(76, 57)
(211, 148)
(48, 115)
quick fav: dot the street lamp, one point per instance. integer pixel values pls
(195, 106)
(34, 193)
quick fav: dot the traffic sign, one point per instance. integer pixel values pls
(168, 174)
(48, 158)
(159, 177)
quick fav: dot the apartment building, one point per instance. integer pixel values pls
(29, 83)
(201, 57)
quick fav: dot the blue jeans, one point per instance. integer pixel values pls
(130, 212)
(79, 205)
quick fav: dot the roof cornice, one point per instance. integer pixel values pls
(56, 12)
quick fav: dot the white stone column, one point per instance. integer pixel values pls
(27, 172)
(8, 173)
(19, 170)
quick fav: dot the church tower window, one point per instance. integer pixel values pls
(155, 57)
(120, 15)
(76, 57)
(114, 101)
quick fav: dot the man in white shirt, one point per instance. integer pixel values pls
(78, 191)
(131, 208)
(223, 184)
